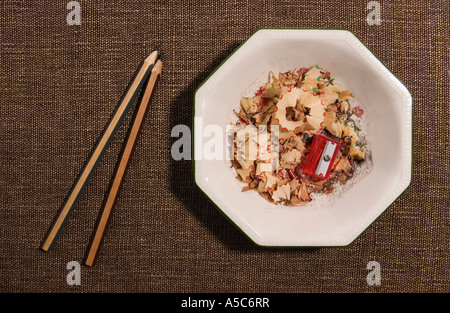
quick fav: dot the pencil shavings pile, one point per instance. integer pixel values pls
(302, 103)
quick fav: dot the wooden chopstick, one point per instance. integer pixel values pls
(120, 174)
(122, 108)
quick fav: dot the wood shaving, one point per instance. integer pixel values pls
(302, 103)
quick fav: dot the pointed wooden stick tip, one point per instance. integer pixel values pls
(158, 67)
(152, 57)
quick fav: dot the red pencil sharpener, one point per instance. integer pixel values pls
(320, 158)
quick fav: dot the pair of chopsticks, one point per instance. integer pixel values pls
(149, 71)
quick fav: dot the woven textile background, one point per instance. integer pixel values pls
(59, 85)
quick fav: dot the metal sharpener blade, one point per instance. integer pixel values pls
(325, 159)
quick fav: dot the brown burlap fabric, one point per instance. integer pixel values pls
(60, 83)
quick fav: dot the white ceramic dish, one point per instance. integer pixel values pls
(338, 220)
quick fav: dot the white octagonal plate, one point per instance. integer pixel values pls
(332, 220)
